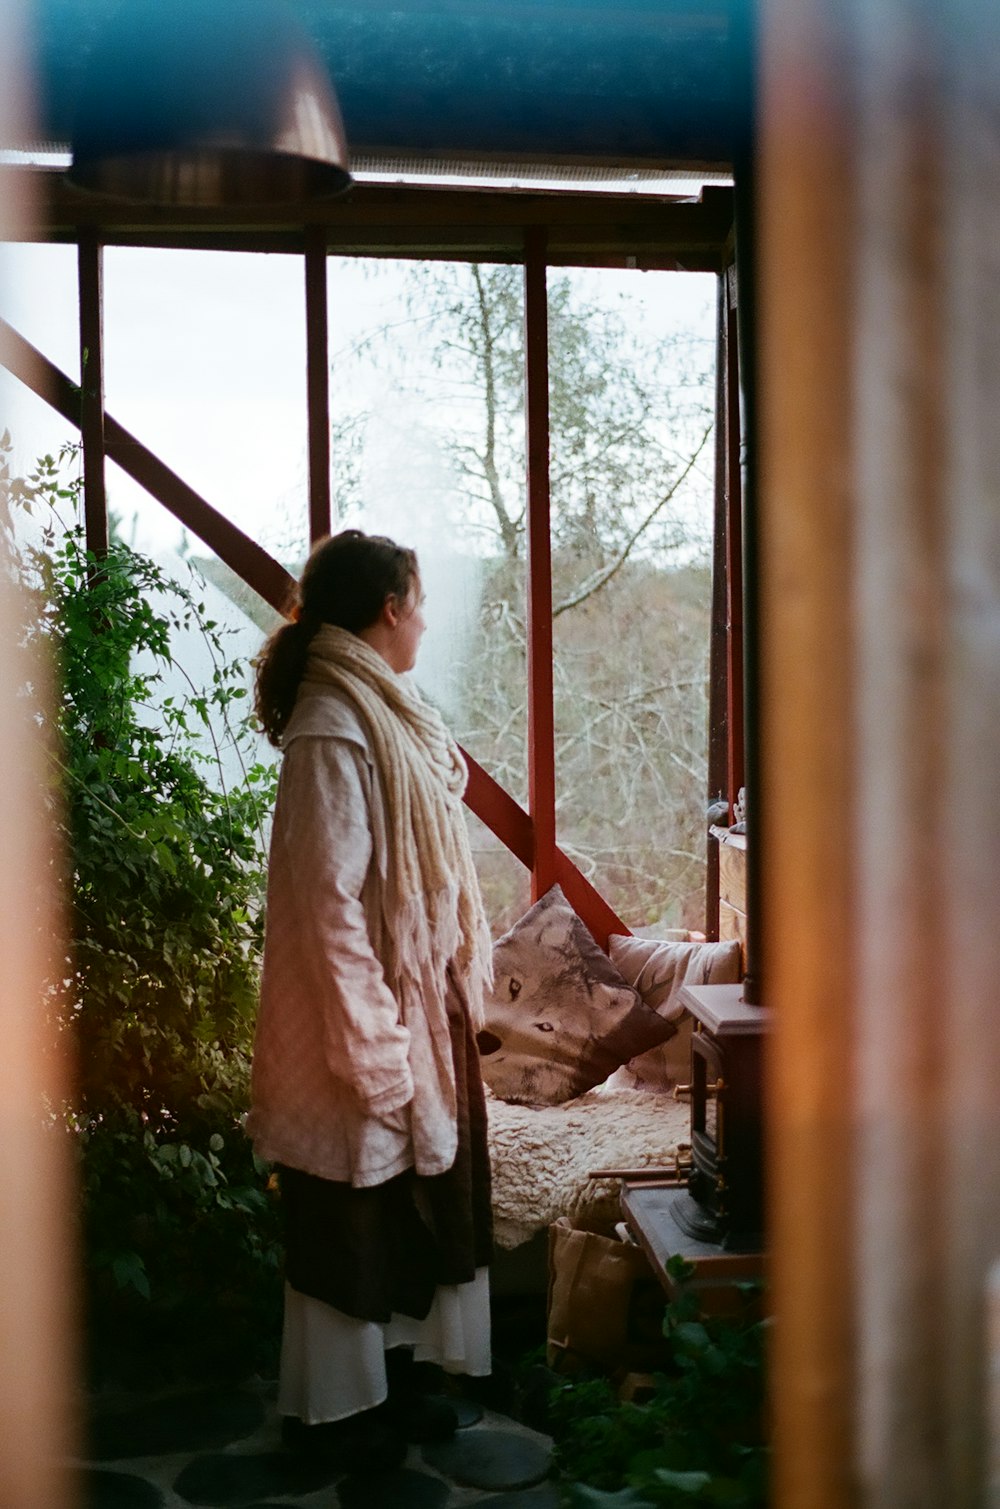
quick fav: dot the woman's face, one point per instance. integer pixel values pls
(408, 630)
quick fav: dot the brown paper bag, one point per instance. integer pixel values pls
(605, 1307)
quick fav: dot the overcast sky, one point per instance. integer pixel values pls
(204, 359)
(205, 364)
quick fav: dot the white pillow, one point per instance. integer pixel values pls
(658, 969)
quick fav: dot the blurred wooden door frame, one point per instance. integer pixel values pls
(37, 1204)
(880, 576)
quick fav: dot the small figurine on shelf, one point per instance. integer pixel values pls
(718, 811)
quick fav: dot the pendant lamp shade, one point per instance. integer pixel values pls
(208, 102)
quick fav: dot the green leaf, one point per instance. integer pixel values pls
(693, 1335)
(581, 1496)
(129, 1272)
(683, 1482)
(727, 1491)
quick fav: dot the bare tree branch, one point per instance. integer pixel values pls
(619, 437)
(508, 532)
(599, 579)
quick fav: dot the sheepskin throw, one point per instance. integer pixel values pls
(559, 1018)
(542, 1156)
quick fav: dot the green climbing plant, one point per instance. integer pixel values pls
(164, 861)
(699, 1437)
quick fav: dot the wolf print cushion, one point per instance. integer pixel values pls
(560, 1018)
(658, 969)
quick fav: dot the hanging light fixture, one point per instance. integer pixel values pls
(208, 102)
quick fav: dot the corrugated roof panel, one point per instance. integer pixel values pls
(646, 80)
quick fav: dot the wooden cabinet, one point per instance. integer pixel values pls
(732, 885)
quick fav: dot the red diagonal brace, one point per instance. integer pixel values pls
(248, 559)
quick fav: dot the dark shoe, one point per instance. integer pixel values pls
(366, 1442)
(419, 1417)
(422, 1419)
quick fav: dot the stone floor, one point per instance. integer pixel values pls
(221, 1448)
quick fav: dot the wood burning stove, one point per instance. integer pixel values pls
(723, 1201)
(709, 1208)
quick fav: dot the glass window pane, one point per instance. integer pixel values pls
(240, 617)
(40, 299)
(506, 883)
(205, 364)
(427, 446)
(427, 401)
(631, 358)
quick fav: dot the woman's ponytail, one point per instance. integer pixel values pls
(279, 671)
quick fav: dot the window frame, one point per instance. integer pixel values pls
(538, 231)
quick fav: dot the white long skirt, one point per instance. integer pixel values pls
(333, 1365)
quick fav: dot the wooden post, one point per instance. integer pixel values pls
(39, 1388)
(541, 727)
(730, 420)
(808, 664)
(880, 572)
(90, 258)
(317, 382)
(718, 696)
(745, 210)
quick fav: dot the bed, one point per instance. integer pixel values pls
(581, 1053)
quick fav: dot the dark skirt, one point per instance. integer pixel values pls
(373, 1253)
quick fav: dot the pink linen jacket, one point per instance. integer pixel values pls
(342, 1087)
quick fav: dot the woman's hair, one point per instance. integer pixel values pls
(345, 581)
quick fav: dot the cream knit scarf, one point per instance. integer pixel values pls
(434, 916)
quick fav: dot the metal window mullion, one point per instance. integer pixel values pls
(541, 719)
(734, 546)
(90, 268)
(746, 282)
(317, 381)
(718, 700)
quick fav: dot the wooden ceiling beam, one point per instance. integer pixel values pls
(583, 229)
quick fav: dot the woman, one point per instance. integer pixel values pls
(366, 1088)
